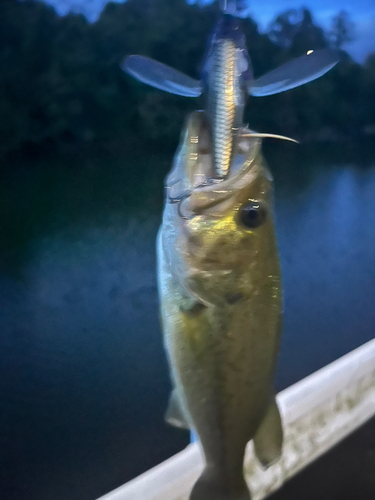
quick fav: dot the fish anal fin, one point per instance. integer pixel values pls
(175, 415)
(268, 440)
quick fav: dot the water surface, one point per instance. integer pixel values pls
(84, 380)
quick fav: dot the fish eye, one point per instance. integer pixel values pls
(252, 215)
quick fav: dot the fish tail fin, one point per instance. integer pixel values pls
(211, 485)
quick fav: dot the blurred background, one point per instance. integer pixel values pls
(84, 150)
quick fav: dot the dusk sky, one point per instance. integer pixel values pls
(361, 12)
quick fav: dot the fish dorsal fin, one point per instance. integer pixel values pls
(161, 76)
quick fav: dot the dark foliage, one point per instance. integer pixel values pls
(61, 85)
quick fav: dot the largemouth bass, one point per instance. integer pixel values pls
(221, 305)
(227, 80)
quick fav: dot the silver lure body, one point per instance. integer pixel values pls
(226, 75)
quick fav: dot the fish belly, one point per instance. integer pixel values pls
(222, 365)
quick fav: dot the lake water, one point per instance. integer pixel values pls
(84, 382)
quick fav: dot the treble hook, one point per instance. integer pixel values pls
(180, 199)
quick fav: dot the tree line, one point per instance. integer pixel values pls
(61, 82)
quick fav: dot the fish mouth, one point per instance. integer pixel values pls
(215, 191)
(193, 183)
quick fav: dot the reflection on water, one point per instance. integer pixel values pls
(84, 380)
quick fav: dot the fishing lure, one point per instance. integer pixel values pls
(227, 80)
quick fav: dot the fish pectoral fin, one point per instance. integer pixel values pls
(161, 76)
(294, 73)
(268, 440)
(175, 415)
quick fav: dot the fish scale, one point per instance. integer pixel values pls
(222, 104)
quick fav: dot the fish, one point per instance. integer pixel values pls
(227, 80)
(219, 284)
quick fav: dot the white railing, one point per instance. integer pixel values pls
(317, 413)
